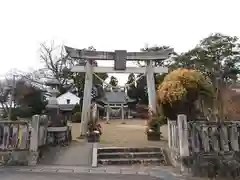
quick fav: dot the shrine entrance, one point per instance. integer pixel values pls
(120, 58)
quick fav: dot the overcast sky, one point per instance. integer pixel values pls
(108, 25)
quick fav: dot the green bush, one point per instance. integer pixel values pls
(76, 117)
(76, 108)
(156, 122)
(21, 112)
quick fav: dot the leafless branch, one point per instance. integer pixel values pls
(54, 63)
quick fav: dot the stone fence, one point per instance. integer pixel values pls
(20, 140)
(200, 145)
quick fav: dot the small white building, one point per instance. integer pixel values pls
(66, 103)
(68, 98)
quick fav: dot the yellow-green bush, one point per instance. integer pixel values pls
(177, 83)
(179, 91)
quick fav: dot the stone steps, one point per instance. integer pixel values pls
(128, 149)
(127, 161)
(122, 155)
(131, 156)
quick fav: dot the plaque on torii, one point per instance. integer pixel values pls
(120, 58)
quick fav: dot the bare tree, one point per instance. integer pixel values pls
(58, 63)
(35, 77)
(55, 61)
(4, 94)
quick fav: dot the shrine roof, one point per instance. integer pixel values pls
(117, 97)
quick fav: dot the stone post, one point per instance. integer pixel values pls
(169, 134)
(234, 137)
(94, 111)
(108, 114)
(97, 113)
(45, 118)
(122, 113)
(129, 113)
(33, 154)
(183, 137)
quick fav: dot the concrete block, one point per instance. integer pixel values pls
(94, 155)
(49, 170)
(65, 170)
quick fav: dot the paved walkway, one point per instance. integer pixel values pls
(76, 154)
(67, 176)
(127, 173)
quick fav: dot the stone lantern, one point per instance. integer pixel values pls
(52, 106)
(53, 85)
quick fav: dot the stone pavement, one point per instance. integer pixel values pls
(157, 172)
(76, 154)
(67, 176)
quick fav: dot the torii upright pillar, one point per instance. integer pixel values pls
(151, 86)
(86, 106)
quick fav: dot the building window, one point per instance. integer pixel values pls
(68, 101)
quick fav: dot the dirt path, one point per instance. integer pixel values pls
(130, 134)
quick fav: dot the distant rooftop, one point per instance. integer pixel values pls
(118, 97)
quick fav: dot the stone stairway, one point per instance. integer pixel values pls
(131, 156)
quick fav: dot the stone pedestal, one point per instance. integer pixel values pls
(33, 158)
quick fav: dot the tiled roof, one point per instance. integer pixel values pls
(116, 97)
(66, 107)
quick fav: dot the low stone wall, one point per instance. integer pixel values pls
(14, 135)
(208, 149)
(20, 140)
(14, 157)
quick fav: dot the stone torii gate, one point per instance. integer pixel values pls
(120, 58)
